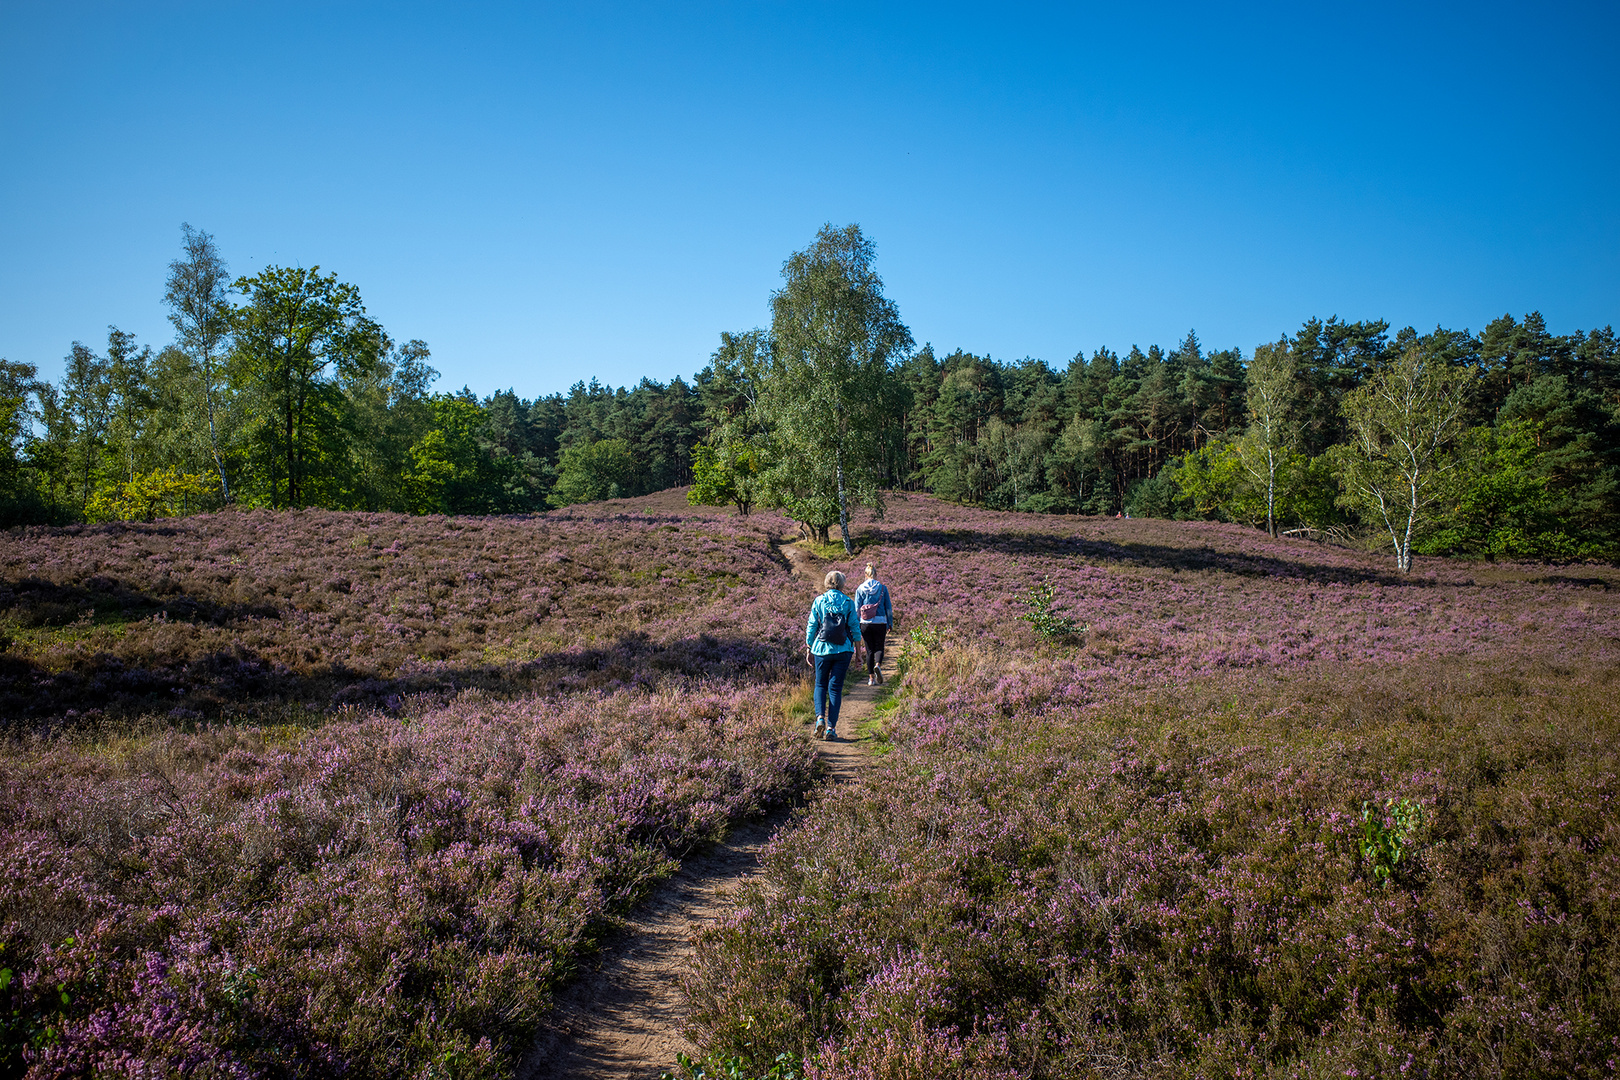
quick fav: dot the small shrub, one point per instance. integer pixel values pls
(159, 493)
(921, 641)
(714, 1067)
(1048, 623)
(1387, 835)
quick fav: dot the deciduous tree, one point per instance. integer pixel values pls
(834, 339)
(18, 383)
(1272, 391)
(1501, 505)
(727, 471)
(200, 310)
(1402, 425)
(296, 326)
(451, 472)
(79, 419)
(590, 472)
(129, 376)
(19, 497)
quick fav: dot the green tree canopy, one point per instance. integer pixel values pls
(1403, 423)
(1272, 395)
(590, 472)
(200, 309)
(295, 327)
(828, 392)
(451, 473)
(19, 496)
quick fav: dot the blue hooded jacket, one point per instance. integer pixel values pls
(832, 600)
(873, 591)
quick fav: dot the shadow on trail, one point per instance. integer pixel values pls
(1132, 553)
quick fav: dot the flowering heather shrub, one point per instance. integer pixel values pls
(1183, 599)
(239, 614)
(1080, 886)
(386, 896)
(1147, 855)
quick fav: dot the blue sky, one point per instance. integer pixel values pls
(551, 193)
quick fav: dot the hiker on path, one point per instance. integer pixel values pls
(876, 615)
(829, 644)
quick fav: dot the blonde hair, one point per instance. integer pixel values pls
(834, 580)
(871, 572)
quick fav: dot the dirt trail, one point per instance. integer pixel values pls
(621, 1020)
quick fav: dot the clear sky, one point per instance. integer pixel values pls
(546, 193)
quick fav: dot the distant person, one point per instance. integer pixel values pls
(877, 615)
(829, 644)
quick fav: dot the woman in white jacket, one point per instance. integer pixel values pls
(877, 615)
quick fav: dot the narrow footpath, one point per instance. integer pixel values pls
(621, 1019)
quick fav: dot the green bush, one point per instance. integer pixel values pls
(1047, 622)
(591, 472)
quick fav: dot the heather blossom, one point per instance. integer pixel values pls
(1147, 852)
(358, 898)
(310, 794)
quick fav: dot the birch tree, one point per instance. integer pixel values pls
(1273, 389)
(201, 315)
(129, 375)
(79, 420)
(828, 387)
(1402, 424)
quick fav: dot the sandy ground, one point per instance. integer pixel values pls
(622, 1019)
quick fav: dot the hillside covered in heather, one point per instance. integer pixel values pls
(315, 793)
(258, 613)
(235, 613)
(1272, 811)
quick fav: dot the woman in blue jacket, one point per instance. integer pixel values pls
(829, 643)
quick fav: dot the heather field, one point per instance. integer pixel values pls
(321, 794)
(283, 616)
(1278, 813)
(389, 895)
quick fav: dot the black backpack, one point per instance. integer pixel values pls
(834, 628)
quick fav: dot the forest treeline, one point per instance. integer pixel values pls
(280, 391)
(1528, 461)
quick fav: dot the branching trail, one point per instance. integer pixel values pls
(621, 1020)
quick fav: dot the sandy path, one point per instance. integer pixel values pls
(621, 1019)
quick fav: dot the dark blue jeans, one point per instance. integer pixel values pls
(830, 671)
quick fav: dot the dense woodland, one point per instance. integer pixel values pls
(280, 391)
(1162, 432)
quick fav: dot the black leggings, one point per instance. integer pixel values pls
(873, 634)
